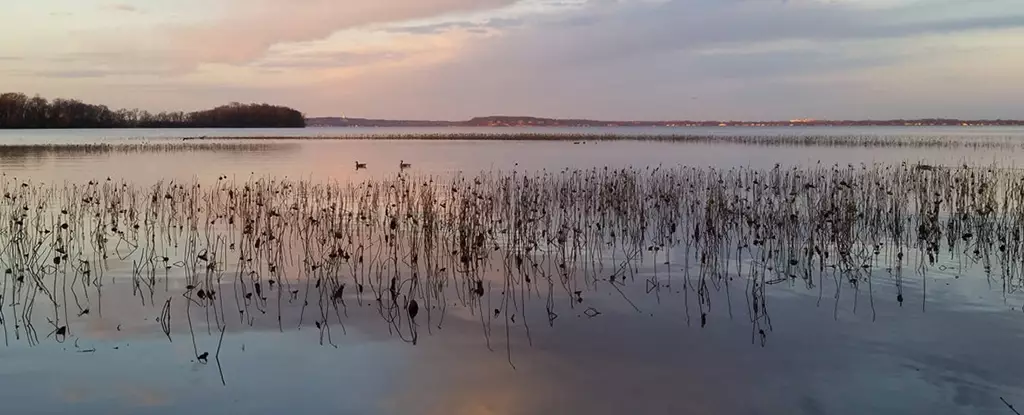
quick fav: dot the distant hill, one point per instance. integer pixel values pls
(516, 121)
(369, 122)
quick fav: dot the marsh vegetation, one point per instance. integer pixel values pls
(682, 137)
(511, 248)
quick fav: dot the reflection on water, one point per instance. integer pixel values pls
(814, 365)
(834, 347)
(241, 159)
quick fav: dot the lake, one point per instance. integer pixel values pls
(97, 321)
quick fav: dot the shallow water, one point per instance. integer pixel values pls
(821, 357)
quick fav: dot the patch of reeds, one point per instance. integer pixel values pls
(55, 149)
(786, 140)
(415, 247)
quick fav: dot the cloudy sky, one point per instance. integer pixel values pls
(454, 59)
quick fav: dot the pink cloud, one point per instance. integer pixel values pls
(124, 8)
(247, 29)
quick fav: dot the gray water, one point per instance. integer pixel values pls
(960, 355)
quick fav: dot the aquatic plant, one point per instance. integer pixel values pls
(1008, 142)
(510, 248)
(16, 151)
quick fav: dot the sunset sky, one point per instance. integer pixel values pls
(454, 59)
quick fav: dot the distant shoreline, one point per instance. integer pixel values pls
(503, 121)
(504, 127)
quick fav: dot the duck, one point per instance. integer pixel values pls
(402, 165)
(360, 165)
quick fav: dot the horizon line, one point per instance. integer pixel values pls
(650, 121)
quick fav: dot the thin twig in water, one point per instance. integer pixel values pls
(1009, 406)
(216, 355)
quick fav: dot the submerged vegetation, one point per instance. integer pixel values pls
(511, 248)
(18, 111)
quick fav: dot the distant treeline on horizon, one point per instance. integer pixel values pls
(515, 121)
(19, 111)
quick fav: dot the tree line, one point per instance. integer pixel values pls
(17, 110)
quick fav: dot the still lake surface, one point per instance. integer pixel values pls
(960, 356)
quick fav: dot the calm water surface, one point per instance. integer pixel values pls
(40, 154)
(960, 355)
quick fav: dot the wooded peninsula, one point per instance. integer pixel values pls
(19, 111)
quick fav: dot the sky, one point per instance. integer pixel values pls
(456, 59)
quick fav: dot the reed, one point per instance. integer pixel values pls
(511, 248)
(8, 151)
(774, 140)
